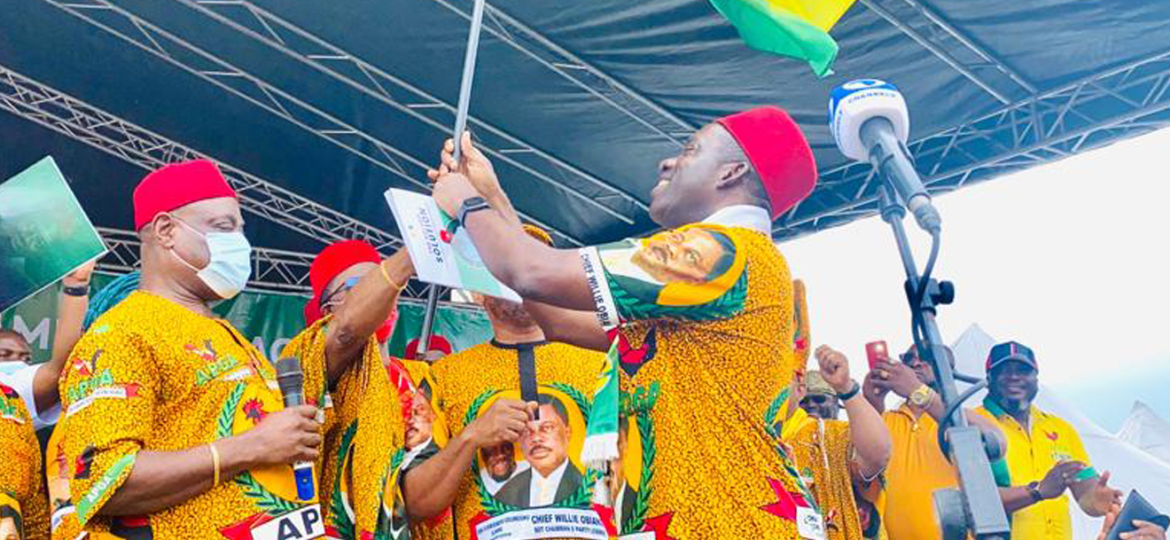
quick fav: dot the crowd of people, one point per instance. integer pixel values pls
(166, 422)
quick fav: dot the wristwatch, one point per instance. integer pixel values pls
(922, 396)
(851, 393)
(471, 204)
(1034, 491)
(80, 290)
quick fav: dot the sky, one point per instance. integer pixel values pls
(1070, 258)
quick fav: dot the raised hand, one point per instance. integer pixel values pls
(80, 276)
(834, 367)
(472, 164)
(898, 377)
(450, 192)
(1059, 478)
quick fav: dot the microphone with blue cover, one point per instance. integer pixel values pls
(870, 122)
(291, 380)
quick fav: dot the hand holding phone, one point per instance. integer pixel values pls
(876, 351)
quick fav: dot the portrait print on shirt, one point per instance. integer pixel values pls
(538, 486)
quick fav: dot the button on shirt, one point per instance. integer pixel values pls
(917, 469)
(1030, 455)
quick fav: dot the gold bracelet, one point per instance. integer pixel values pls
(385, 274)
(214, 463)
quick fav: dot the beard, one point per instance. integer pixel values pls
(508, 312)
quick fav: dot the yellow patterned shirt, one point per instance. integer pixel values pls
(824, 456)
(363, 447)
(500, 485)
(24, 507)
(705, 328)
(153, 375)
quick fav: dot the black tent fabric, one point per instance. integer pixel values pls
(317, 107)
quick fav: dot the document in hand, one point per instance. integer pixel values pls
(44, 233)
(442, 253)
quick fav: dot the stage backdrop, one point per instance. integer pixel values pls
(269, 320)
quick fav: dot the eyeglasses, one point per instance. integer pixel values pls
(331, 299)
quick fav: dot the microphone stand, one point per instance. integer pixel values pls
(976, 508)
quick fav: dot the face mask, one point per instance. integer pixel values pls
(8, 368)
(230, 263)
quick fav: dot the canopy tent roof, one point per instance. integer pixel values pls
(315, 108)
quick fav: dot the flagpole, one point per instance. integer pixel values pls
(424, 341)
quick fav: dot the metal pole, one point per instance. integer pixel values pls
(424, 342)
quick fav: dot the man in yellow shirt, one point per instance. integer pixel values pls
(702, 313)
(171, 418)
(1045, 456)
(478, 392)
(917, 466)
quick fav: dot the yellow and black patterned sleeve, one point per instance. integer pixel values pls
(110, 388)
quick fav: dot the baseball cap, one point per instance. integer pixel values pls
(1010, 350)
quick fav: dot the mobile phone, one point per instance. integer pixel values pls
(1136, 507)
(874, 351)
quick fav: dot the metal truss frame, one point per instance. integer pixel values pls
(363, 76)
(921, 23)
(594, 80)
(221, 73)
(1118, 103)
(81, 121)
(273, 270)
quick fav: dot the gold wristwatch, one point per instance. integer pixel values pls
(922, 396)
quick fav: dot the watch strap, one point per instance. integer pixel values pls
(80, 290)
(851, 393)
(472, 204)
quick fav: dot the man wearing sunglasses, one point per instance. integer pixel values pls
(351, 313)
(917, 466)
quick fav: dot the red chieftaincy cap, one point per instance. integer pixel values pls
(333, 260)
(779, 153)
(175, 186)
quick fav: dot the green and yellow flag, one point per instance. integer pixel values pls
(796, 28)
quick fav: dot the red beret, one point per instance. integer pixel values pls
(438, 343)
(778, 152)
(333, 260)
(175, 186)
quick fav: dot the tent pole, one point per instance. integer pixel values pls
(424, 341)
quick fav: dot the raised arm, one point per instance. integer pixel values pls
(867, 430)
(70, 315)
(579, 328)
(366, 307)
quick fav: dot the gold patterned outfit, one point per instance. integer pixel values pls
(468, 382)
(823, 452)
(362, 449)
(153, 375)
(702, 364)
(23, 502)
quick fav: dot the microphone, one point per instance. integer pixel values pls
(870, 122)
(291, 381)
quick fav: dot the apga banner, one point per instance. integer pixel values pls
(441, 253)
(270, 320)
(44, 233)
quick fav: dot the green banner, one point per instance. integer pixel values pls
(270, 320)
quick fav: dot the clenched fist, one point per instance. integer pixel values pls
(284, 437)
(504, 421)
(834, 368)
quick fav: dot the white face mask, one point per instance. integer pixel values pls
(230, 263)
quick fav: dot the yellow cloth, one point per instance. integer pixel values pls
(823, 454)
(468, 382)
(363, 448)
(917, 469)
(708, 360)
(1030, 456)
(22, 495)
(153, 375)
(441, 527)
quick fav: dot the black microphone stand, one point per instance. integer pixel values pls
(974, 509)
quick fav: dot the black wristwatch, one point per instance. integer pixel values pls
(850, 394)
(471, 204)
(82, 290)
(1034, 491)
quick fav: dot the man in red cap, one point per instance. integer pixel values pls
(702, 314)
(352, 311)
(480, 395)
(172, 420)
